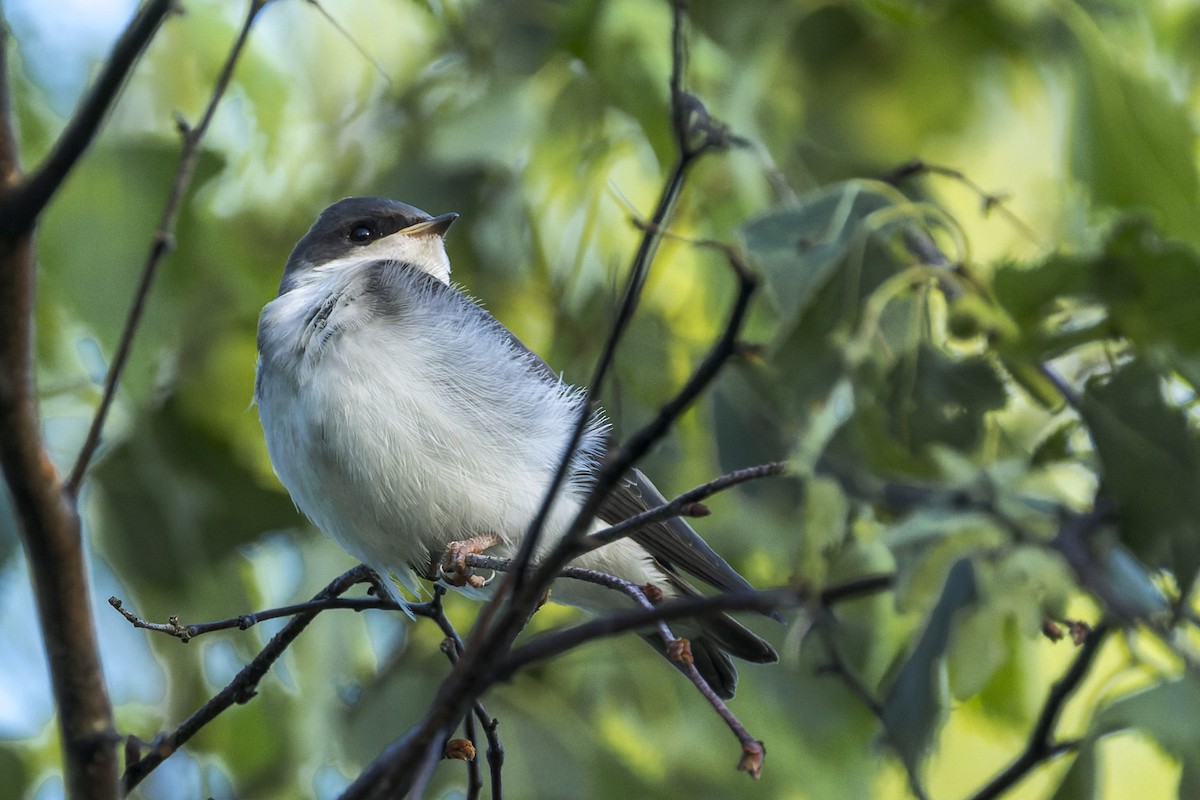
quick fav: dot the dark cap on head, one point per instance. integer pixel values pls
(352, 223)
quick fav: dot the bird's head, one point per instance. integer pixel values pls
(360, 229)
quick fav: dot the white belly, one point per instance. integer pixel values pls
(396, 438)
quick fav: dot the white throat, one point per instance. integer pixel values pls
(426, 253)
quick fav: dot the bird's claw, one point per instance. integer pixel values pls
(453, 567)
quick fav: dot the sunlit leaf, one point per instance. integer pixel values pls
(1168, 712)
(800, 248)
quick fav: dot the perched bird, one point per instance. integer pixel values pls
(406, 421)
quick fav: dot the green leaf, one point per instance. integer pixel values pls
(927, 545)
(943, 400)
(1032, 296)
(1133, 143)
(1150, 466)
(800, 248)
(1167, 712)
(1152, 288)
(1139, 287)
(1080, 781)
(916, 702)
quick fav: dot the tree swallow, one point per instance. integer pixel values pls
(406, 421)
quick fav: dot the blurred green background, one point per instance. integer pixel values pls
(544, 124)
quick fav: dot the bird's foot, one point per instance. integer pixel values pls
(453, 567)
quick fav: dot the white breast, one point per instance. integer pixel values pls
(400, 428)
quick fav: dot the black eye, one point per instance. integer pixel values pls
(362, 233)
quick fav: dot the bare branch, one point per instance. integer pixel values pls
(1041, 747)
(644, 439)
(495, 752)
(163, 243)
(185, 633)
(353, 40)
(244, 685)
(408, 762)
(549, 645)
(753, 750)
(988, 200)
(242, 688)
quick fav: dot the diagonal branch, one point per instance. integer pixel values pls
(726, 347)
(243, 686)
(408, 761)
(162, 243)
(1041, 745)
(549, 645)
(690, 122)
(686, 504)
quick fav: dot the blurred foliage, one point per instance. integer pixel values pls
(902, 336)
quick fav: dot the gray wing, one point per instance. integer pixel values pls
(672, 542)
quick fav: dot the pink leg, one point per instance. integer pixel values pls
(454, 567)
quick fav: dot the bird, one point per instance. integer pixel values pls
(412, 427)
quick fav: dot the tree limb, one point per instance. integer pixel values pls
(685, 125)
(162, 243)
(408, 761)
(48, 521)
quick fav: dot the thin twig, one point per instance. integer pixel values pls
(644, 439)
(353, 40)
(683, 505)
(489, 723)
(989, 200)
(1060, 383)
(242, 687)
(185, 633)
(162, 243)
(1040, 746)
(753, 751)
(495, 756)
(549, 645)
(837, 666)
(474, 782)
